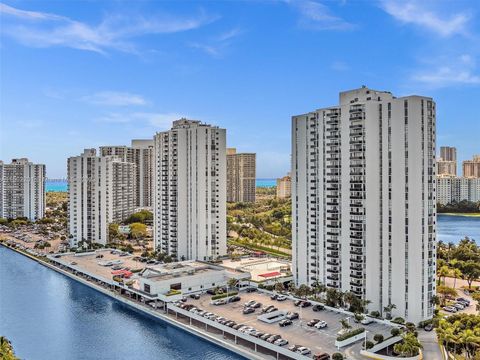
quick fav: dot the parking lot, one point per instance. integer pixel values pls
(299, 333)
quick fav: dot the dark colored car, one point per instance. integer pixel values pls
(285, 322)
(305, 304)
(298, 302)
(292, 315)
(248, 310)
(313, 322)
(250, 289)
(323, 356)
(428, 327)
(273, 296)
(234, 299)
(318, 307)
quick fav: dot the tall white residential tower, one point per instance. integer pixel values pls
(101, 190)
(22, 189)
(363, 199)
(190, 191)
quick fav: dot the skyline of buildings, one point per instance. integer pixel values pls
(471, 168)
(190, 191)
(363, 199)
(241, 173)
(22, 189)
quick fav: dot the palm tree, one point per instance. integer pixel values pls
(345, 324)
(456, 273)
(443, 272)
(388, 309)
(470, 342)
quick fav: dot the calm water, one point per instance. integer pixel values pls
(455, 228)
(61, 185)
(49, 316)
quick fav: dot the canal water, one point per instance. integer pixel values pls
(49, 316)
(452, 228)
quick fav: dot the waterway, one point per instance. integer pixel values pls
(452, 228)
(49, 316)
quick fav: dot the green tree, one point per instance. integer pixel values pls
(6, 349)
(471, 271)
(446, 292)
(138, 230)
(408, 347)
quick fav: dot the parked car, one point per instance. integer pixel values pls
(234, 299)
(272, 309)
(321, 324)
(220, 302)
(195, 296)
(298, 302)
(323, 356)
(303, 350)
(250, 289)
(292, 315)
(313, 322)
(366, 320)
(273, 296)
(73, 263)
(265, 336)
(305, 304)
(318, 307)
(237, 326)
(266, 308)
(428, 327)
(248, 310)
(99, 256)
(273, 338)
(285, 322)
(450, 309)
(459, 306)
(250, 303)
(293, 347)
(280, 342)
(256, 305)
(463, 300)
(281, 298)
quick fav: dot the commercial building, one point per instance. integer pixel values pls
(455, 189)
(471, 168)
(363, 199)
(101, 190)
(22, 189)
(190, 191)
(284, 187)
(241, 174)
(139, 153)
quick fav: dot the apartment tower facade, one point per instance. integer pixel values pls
(101, 190)
(471, 168)
(22, 189)
(241, 174)
(447, 163)
(284, 187)
(363, 200)
(139, 153)
(190, 191)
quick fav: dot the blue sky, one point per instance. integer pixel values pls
(79, 74)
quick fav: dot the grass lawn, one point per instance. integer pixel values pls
(462, 214)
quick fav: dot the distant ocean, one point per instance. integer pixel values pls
(61, 184)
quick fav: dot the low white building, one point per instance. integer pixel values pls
(455, 189)
(185, 277)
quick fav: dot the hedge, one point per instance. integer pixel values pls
(350, 334)
(221, 296)
(399, 320)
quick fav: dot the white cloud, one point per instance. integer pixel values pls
(414, 12)
(217, 45)
(317, 16)
(114, 98)
(456, 71)
(114, 32)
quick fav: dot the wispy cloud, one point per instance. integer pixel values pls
(451, 72)
(217, 45)
(415, 13)
(159, 121)
(38, 29)
(317, 16)
(115, 98)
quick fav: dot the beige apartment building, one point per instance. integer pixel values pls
(284, 187)
(447, 163)
(471, 168)
(241, 174)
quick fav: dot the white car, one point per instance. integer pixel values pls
(450, 309)
(321, 324)
(303, 350)
(459, 306)
(220, 302)
(280, 342)
(250, 303)
(281, 298)
(366, 320)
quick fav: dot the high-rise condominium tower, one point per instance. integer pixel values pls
(447, 164)
(22, 190)
(139, 153)
(240, 176)
(363, 199)
(471, 168)
(284, 187)
(190, 191)
(101, 190)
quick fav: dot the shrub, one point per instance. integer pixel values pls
(369, 345)
(399, 320)
(375, 314)
(424, 323)
(337, 356)
(395, 332)
(221, 296)
(410, 326)
(172, 292)
(378, 338)
(350, 334)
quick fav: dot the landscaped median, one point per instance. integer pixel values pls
(350, 337)
(225, 295)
